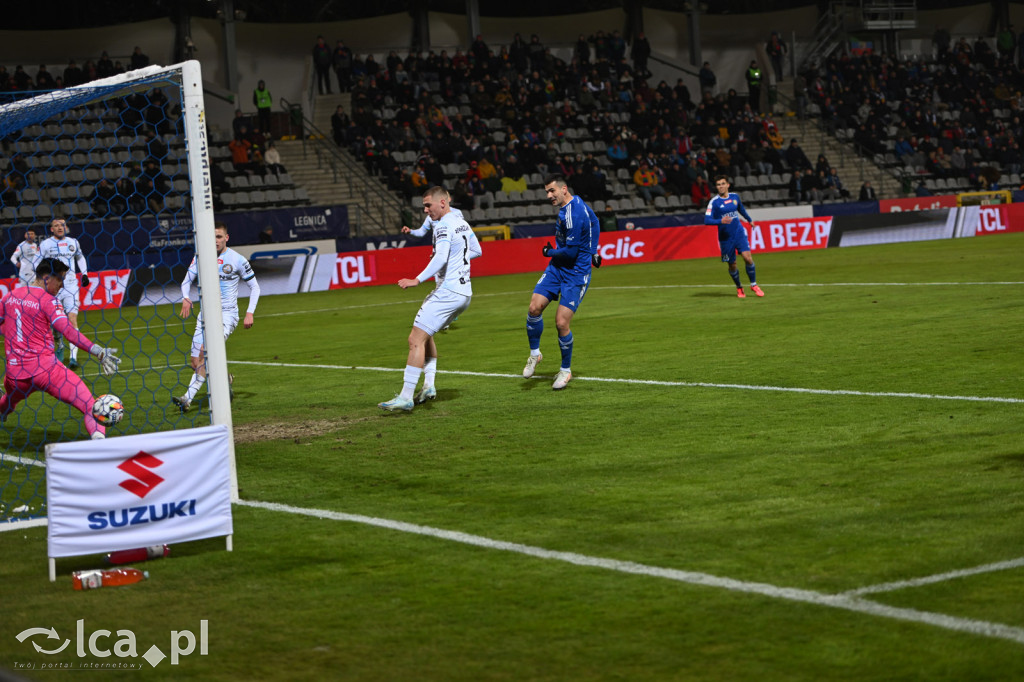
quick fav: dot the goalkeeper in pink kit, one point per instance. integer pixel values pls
(27, 317)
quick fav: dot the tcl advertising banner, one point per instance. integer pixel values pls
(368, 268)
(138, 491)
(106, 289)
(998, 219)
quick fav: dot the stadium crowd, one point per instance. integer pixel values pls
(954, 114)
(660, 138)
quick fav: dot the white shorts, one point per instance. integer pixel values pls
(68, 298)
(439, 308)
(230, 322)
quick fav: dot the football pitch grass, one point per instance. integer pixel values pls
(823, 484)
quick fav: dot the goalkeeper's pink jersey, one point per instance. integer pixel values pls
(26, 316)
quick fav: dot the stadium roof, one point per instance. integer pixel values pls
(69, 14)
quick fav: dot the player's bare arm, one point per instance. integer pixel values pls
(406, 283)
(186, 309)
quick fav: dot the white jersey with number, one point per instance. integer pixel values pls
(67, 250)
(233, 268)
(452, 230)
(25, 258)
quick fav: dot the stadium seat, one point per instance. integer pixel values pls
(302, 196)
(255, 181)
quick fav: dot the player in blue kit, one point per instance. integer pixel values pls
(725, 210)
(567, 276)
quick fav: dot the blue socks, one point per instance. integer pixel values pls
(750, 275)
(534, 328)
(735, 274)
(565, 345)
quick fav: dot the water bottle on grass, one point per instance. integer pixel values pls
(112, 577)
(131, 556)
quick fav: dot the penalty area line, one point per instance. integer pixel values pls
(847, 603)
(937, 578)
(653, 382)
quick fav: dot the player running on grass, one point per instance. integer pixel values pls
(28, 316)
(455, 244)
(567, 275)
(725, 210)
(64, 247)
(233, 267)
(26, 258)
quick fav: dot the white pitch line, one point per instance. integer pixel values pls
(937, 578)
(27, 461)
(653, 382)
(968, 625)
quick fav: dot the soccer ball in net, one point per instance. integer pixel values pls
(108, 410)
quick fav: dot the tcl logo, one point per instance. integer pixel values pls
(352, 271)
(622, 248)
(140, 468)
(990, 220)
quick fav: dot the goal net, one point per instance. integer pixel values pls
(123, 161)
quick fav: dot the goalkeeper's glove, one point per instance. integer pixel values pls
(547, 249)
(85, 280)
(596, 260)
(108, 361)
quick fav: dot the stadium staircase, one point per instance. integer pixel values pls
(332, 176)
(853, 170)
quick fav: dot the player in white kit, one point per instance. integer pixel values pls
(233, 267)
(25, 258)
(65, 248)
(455, 244)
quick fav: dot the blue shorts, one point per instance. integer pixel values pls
(570, 285)
(732, 241)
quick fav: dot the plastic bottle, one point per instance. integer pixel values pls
(130, 556)
(112, 577)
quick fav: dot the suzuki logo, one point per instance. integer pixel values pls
(143, 480)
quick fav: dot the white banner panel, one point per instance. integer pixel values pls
(137, 491)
